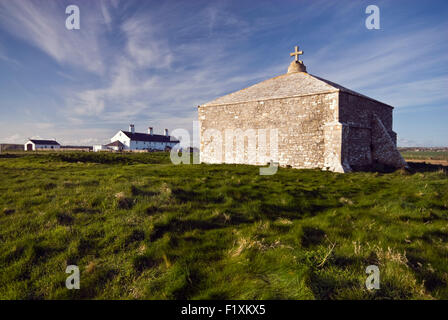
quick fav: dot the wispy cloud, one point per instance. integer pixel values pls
(148, 83)
(396, 69)
(143, 46)
(42, 24)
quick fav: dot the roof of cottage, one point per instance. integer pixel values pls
(45, 142)
(137, 136)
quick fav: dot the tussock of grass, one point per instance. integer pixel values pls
(141, 228)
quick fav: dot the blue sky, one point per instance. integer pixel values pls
(152, 62)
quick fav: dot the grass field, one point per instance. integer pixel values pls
(425, 155)
(139, 227)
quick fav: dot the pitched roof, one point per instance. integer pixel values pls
(115, 144)
(47, 142)
(293, 84)
(136, 136)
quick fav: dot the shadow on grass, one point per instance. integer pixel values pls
(432, 280)
(312, 236)
(427, 167)
(191, 195)
(140, 192)
(94, 283)
(9, 156)
(325, 286)
(425, 219)
(181, 226)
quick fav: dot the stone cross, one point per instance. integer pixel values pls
(296, 53)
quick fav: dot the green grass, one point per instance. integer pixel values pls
(139, 227)
(425, 155)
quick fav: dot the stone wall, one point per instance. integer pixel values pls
(301, 123)
(358, 113)
(384, 149)
(358, 110)
(336, 131)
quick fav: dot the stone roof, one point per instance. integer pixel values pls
(293, 84)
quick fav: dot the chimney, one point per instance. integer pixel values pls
(150, 131)
(166, 132)
(131, 128)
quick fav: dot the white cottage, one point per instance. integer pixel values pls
(33, 145)
(131, 140)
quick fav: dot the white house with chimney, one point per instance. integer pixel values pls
(131, 140)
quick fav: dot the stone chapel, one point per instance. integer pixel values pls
(320, 124)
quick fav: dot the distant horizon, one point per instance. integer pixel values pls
(152, 63)
(86, 145)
